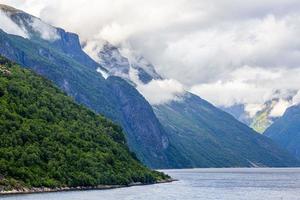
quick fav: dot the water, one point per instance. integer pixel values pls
(198, 184)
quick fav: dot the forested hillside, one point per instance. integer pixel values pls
(48, 140)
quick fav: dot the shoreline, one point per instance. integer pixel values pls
(24, 191)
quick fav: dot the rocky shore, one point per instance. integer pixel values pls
(65, 189)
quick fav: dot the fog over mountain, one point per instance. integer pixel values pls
(228, 52)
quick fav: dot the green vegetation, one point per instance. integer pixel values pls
(48, 140)
(262, 120)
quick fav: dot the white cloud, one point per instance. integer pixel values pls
(279, 108)
(253, 86)
(161, 91)
(93, 47)
(158, 91)
(252, 109)
(296, 98)
(231, 92)
(8, 26)
(46, 31)
(212, 53)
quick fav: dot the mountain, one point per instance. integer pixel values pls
(286, 130)
(262, 119)
(204, 135)
(47, 140)
(210, 137)
(58, 56)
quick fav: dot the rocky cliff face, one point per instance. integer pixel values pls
(59, 57)
(145, 131)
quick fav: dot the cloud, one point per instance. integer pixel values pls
(252, 109)
(157, 91)
(17, 27)
(251, 85)
(296, 98)
(280, 108)
(93, 47)
(8, 26)
(161, 91)
(46, 31)
(232, 92)
(213, 53)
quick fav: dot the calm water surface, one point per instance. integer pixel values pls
(198, 184)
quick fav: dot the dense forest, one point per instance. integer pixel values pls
(48, 140)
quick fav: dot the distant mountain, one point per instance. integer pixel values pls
(58, 56)
(203, 134)
(47, 140)
(286, 131)
(261, 120)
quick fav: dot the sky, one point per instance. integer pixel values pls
(228, 52)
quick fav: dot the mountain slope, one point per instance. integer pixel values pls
(286, 131)
(204, 135)
(48, 140)
(62, 60)
(210, 137)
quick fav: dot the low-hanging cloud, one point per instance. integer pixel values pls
(46, 31)
(161, 91)
(8, 26)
